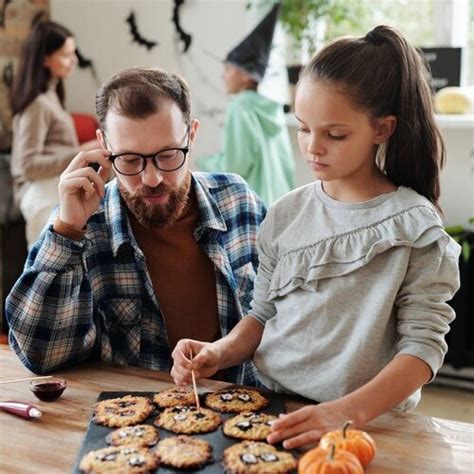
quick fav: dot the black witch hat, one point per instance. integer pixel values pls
(252, 53)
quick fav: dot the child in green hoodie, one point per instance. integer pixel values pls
(255, 140)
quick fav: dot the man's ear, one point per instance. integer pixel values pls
(193, 130)
(384, 128)
(100, 138)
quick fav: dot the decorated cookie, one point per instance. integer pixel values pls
(236, 400)
(119, 459)
(184, 452)
(248, 425)
(175, 396)
(124, 411)
(188, 420)
(250, 456)
(138, 435)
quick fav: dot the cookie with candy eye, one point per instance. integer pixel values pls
(123, 411)
(175, 396)
(236, 400)
(188, 420)
(184, 452)
(250, 457)
(123, 459)
(138, 435)
(248, 425)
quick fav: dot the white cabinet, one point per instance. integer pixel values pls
(457, 177)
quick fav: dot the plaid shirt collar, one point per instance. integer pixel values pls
(115, 211)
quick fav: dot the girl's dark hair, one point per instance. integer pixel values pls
(32, 76)
(137, 93)
(384, 75)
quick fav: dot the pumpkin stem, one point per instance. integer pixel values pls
(332, 451)
(345, 428)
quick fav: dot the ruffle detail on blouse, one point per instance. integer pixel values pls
(342, 254)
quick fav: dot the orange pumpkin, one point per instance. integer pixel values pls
(357, 442)
(332, 461)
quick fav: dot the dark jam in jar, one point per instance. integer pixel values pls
(49, 391)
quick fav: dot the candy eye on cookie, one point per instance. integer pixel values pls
(254, 457)
(236, 400)
(250, 426)
(119, 459)
(175, 396)
(123, 411)
(188, 420)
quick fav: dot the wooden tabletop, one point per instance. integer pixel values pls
(407, 444)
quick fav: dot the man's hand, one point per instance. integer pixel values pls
(308, 424)
(81, 187)
(207, 359)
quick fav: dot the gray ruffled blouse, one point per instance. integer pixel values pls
(342, 288)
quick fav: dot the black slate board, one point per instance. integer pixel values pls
(95, 434)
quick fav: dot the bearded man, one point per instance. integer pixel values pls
(125, 269)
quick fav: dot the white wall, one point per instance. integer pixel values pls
(103, 35)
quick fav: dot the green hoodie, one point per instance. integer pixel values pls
(256, 145)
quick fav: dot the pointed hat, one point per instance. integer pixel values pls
(252, 53)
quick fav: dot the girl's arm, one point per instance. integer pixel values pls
(393, 384)
(235, 348)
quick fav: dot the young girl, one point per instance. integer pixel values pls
(355, 269)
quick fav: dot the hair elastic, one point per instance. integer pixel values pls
(374, 38)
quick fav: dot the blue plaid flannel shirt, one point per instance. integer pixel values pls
(94, 299)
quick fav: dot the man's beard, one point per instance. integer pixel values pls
(158, 215)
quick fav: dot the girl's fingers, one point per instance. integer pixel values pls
(308, 437)
(291, 419)
(179, 376)
(180, 358)
(201, 359)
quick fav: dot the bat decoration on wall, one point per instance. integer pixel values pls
(183, 36)
(85, 63)
(137, 37)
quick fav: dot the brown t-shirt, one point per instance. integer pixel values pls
(183, 277)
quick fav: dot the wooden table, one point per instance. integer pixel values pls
(406, 443)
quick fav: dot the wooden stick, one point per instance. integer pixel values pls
(196, 396)
(27, 378)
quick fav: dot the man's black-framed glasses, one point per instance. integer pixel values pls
(167, 160)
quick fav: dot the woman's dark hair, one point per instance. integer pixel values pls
(384, 75)
(32, 76)
(136, 93)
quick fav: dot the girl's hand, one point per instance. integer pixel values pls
(308, 424)
(207, 358)
(81, 187)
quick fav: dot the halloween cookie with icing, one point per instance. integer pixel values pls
(123, 459)
(250, 457)
(174, 396)
(184, 452)
(139, 435)
(236, 400)
(123, 411)
(188, 420)
(248, 425)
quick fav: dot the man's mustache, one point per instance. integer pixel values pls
(149, 191)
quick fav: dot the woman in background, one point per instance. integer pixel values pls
(44, 137)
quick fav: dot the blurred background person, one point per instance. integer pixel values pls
(255, 142)
(44, 137)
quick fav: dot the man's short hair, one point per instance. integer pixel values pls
(137, 93)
